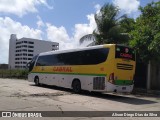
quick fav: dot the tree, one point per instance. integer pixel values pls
(146, 35)
(127, 24)
(109, 29)
(146, 40)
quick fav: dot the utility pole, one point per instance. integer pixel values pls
(149, 76)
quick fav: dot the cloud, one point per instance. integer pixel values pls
(40, 23)
(59, 34)
(21, 7)
(128, 6)
(44, 2)
(8, 27)
(97, 8)
(84, 29)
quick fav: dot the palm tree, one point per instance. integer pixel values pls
(109, 29)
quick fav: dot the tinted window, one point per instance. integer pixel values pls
(86, 57)
(47, 60)
(124, 52)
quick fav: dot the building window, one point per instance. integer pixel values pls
(24, 46)
(18, 50)
(24, 50)
(24, 54)
(30, 50)
(55, 46)
(18, 46)
(24, 58)
(31, 42)
(30, 54)
(30, 46)
(18, 43)
(16, 66)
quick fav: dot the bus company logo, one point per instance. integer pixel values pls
(124, 55)
(102, 68)
(126, 50)
(62, 69)
(6, 114)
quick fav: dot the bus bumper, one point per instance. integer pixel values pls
(119, 88)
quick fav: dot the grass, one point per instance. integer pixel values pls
(13, 74)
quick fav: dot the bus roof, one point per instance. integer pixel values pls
(77, 49)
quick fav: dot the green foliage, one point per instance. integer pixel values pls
(146, 33)
(111, 27)
(127, 24)
(13, 73)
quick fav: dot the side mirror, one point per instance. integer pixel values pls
(28, 64)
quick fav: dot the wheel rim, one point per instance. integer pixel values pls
(36, 81)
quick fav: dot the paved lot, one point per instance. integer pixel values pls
(20, 95)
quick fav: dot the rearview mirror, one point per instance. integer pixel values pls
(28, 64)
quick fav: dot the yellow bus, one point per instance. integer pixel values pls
(101, 68)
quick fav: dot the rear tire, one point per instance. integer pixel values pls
(76, 85)
(36, 81)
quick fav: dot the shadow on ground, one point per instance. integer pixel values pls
(114, 97)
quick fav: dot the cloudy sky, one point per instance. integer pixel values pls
(63, 21)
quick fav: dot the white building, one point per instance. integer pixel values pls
(22, 50)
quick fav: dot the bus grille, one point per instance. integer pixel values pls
(99, 83)
(124, 66)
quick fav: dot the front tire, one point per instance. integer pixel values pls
(36, 81)
(76, 85)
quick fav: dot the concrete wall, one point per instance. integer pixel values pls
(155, 76)
(3, 66)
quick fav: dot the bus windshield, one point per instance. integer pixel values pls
(32, 62)
(124, 52)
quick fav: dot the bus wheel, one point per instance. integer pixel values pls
(36, 81)
(76, 85)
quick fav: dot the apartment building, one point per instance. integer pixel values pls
(22, 50)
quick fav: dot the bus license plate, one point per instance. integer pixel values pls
(123, 88)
